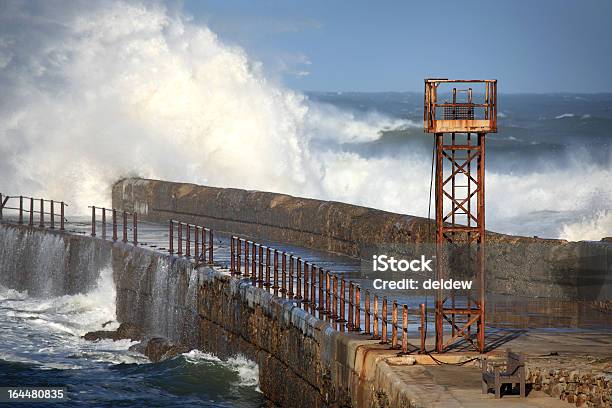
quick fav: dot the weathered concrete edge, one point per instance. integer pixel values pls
(368, 375)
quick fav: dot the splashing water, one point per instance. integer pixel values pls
(41, 345)
(108, 91)
(592, 228)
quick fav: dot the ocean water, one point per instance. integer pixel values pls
(549, 165)
(40, 345)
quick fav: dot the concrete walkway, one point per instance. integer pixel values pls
(456, 386)
(429, 384)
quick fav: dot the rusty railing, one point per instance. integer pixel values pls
(118, 218)
(25, 207)
(188, 237)
(324, 294)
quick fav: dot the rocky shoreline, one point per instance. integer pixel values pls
(155, 348)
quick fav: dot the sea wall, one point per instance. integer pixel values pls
(302, 361)
(532, 267)
(48, 263)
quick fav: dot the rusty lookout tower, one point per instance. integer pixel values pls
(460, 124)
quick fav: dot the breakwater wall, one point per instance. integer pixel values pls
(532, 267)
(302, 361)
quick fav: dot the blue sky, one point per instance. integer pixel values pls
(530, 46)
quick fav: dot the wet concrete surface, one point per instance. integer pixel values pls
(451, 386)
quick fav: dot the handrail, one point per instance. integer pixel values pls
(203, 238)
(124, 223)
(286, 275)
(30, 210)
(320, 291)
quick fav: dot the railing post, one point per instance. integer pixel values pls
(313, 287)
(267, 283)
(351, 303)
(135, 227)
(405, 329)
(31, 212)
(232, 254)
(204, 245)
(125, 239)
(210, 248)
(238, 256)
(394, 325)
(103, 222)
(61, 216)
(187, 240)
(357, 324)
(298, 284)
(20, 209)
(422, 328)
(170, 237)
(114, 214)
(327, 310)
(42, 213)
(260, 266)
(342, 301)
(1, 205)
(246, 258)
(196, 244)
(180, 238)
(290, 293)
(234, 248)
(284, 274)
(275, 285)
(334, 311)
(321, 305)
(254, 263)
(375, 335)
(52, 215)
(93, 221)
(306, 297)
(383, 338)
(453, 317)
(367, 313)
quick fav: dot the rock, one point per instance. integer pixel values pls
(139, 347)
(125, 331)
(129, 331)
(581, 400)
(557, 390)
(159, 349)
(98, 335)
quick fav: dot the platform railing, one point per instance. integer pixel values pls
(324, 294)
(27, 212)
(118, 218)
(195, 240)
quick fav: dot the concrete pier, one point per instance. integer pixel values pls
(302, 361)
(515, 265)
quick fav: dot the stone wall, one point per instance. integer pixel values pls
(515, 265)
(583, 383)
